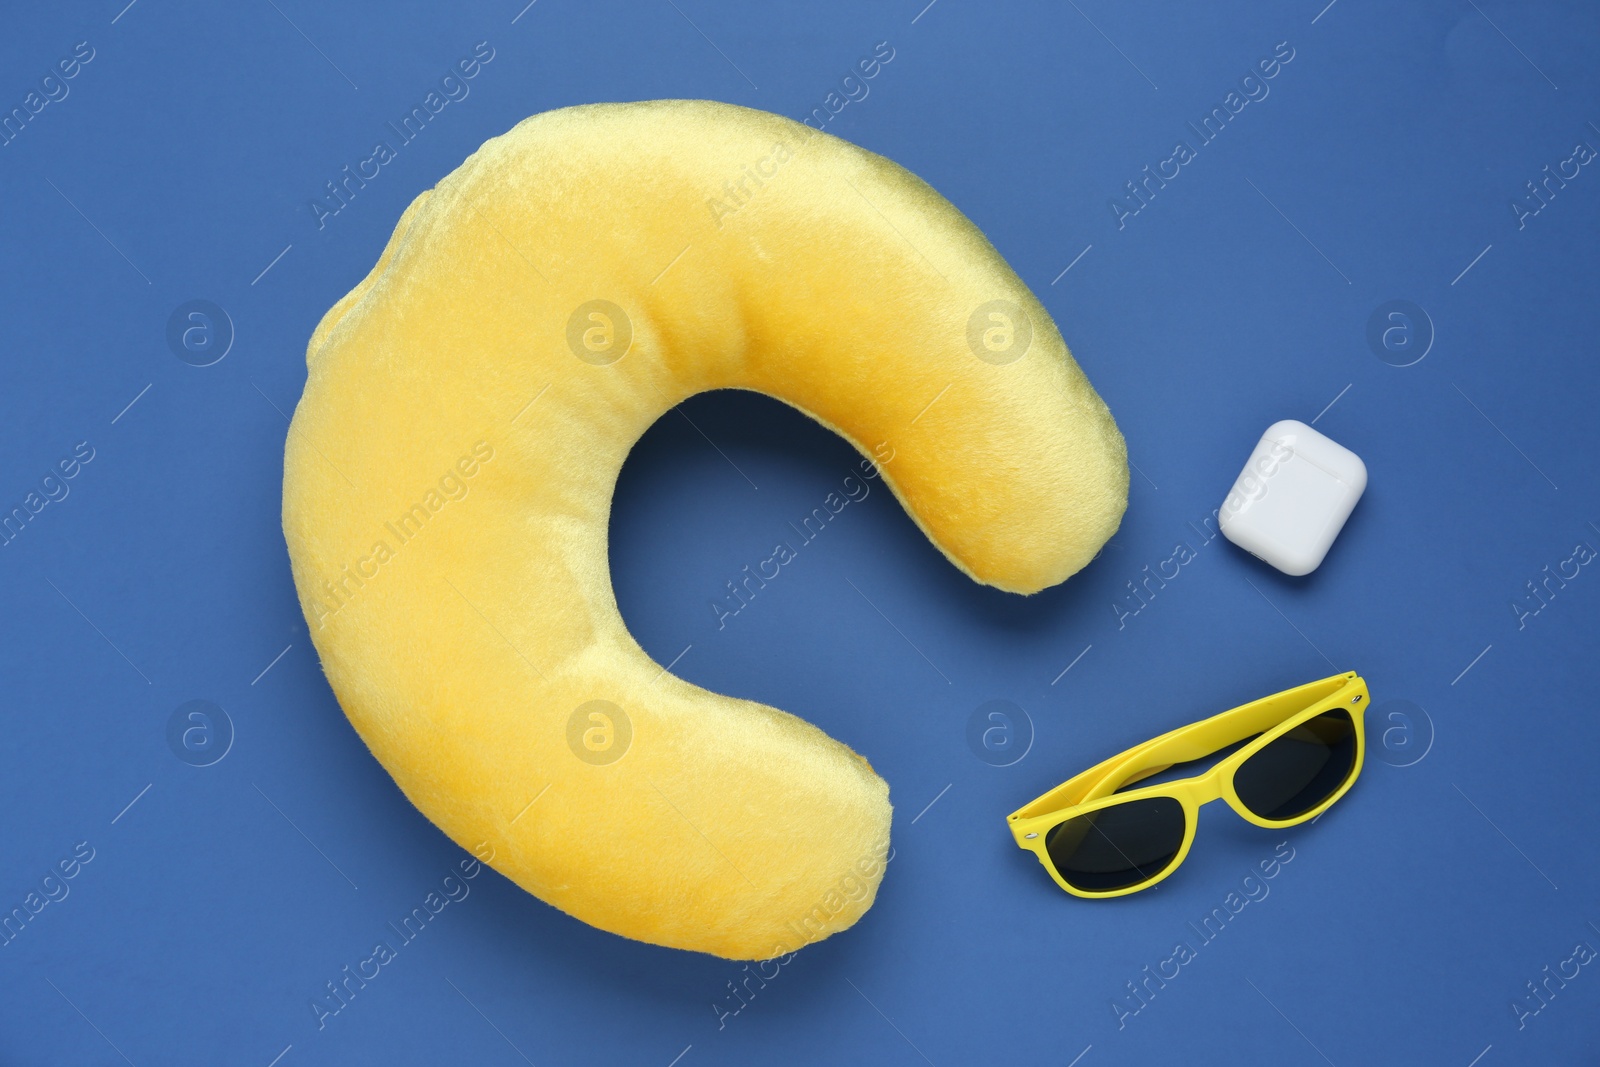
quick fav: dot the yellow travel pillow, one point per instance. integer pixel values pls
(449, 472)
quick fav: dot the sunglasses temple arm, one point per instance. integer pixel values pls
(1082, 787)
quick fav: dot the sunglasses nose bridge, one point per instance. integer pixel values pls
(1217, 784)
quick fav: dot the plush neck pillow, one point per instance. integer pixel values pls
(449, 472)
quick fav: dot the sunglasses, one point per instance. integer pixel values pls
(1307, 747)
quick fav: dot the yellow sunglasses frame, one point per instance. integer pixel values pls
(1271, 717)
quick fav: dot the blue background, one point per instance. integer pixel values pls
(1382, 166)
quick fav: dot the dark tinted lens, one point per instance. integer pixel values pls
(1119, 846)
(1299, 770)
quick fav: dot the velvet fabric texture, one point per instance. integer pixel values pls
(450, 467)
